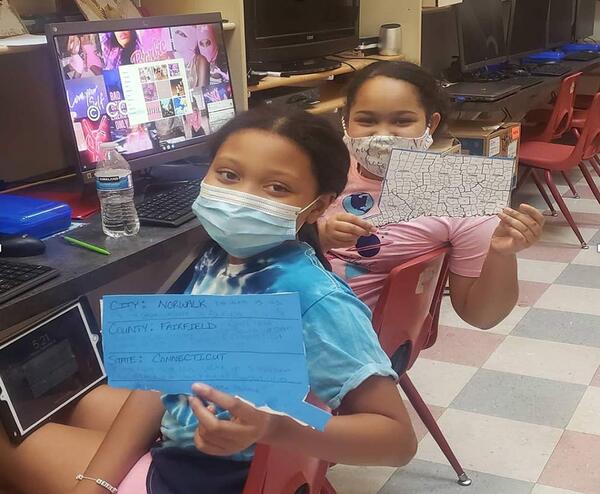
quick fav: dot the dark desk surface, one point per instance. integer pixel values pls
(82, 271)
(516, 105)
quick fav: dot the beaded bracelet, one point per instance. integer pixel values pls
(100, 482)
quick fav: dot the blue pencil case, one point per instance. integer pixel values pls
(36, 217)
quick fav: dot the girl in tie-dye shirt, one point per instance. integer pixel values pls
(273, 174)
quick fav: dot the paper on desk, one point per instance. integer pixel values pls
(23, 40)
(433, 184)
(250, 346)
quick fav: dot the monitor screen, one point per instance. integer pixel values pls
(281, 34)
(151, 90)
(482, 38)
(560, 23)
(528, 26)
(586, 16)
(290, 17)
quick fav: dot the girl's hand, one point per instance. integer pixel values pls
(343, 230)
(517, 230)
(226, 437)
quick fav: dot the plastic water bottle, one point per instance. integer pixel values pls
(115, 191)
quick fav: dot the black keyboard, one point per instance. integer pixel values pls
(553, 70)
(582, 56)
(171, 208)
(16, 278)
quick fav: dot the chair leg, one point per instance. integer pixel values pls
(328, 488)
(523, 178)
(589, 179)
(543, 192)
(421, 407)
(563, 207)
(596, 164)
(571, 186)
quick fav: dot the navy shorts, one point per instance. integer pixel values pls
(187, 471)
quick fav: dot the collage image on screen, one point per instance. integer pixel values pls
(148, 90)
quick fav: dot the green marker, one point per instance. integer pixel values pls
(87, 246)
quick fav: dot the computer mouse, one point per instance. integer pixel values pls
(520, 73)
(21, 246)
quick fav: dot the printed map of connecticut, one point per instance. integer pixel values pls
(432, 184)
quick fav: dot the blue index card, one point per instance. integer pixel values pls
(251, 346)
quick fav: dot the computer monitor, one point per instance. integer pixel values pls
(528, 25)
(157, 86)
(585, 18)
(560, 22)
(287, 34)
(481, 33)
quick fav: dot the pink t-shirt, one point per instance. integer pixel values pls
(366, 265)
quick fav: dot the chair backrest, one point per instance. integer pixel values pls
(406, 314)
(276, 471)
(562, 113)
(590, 135)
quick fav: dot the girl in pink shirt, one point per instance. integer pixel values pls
(399, 105)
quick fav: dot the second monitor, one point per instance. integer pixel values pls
(294, 36)
(585, 18)
(560, 22)
(481, 34)
(528, 26)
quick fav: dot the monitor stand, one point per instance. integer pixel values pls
(299, 67)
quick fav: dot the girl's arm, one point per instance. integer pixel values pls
(485, 301)
(373, 428)
(134, 430)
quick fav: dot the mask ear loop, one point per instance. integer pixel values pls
(303, 210)
(343, 120)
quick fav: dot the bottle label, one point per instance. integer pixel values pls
(114, 182)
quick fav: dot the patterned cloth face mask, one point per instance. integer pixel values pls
(374, 152)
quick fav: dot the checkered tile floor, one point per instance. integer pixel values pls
(519, 404)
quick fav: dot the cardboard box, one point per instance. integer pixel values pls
(440, 3)
(487, 139)
(446, 145)
(30, 8)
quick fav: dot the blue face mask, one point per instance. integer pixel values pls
(245, 225)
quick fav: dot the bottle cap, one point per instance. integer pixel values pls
(108, 145)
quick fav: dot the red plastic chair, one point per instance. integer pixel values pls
(578, 122)
(275, 471)
(584, 101)
(551, 157)
(406, 321)
(554, 124)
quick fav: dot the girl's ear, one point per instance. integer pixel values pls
(434, 123)
(320, 207)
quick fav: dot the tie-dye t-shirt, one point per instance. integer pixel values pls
(341, 347)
